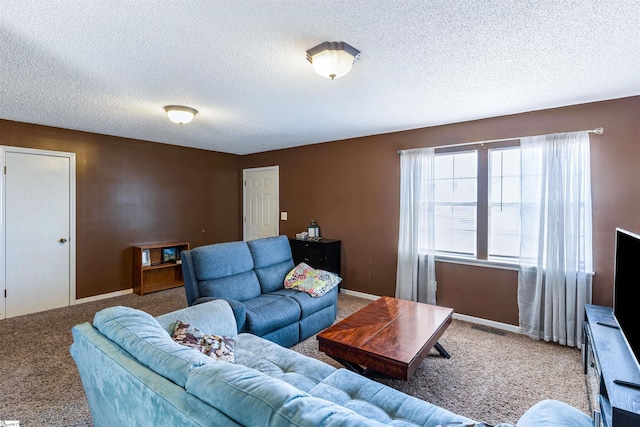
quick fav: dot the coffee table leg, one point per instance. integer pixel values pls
(442, 351)
(365, 372)
(350, 366)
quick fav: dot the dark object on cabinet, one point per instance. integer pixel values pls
(604, 349)
(322, 254)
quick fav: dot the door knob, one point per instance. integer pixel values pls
(62, 240)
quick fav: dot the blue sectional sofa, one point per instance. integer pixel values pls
(250, 277)
(134, 374)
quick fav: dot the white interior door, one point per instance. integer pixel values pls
(38, 231)
(261, 202)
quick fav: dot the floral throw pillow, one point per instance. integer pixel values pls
(215, 346)
(313, 281)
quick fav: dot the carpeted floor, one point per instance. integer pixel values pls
(492, 375)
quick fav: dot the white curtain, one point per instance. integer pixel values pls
(555, 274)
(416, 277)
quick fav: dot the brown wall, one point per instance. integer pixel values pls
(131, 192)
(351, 188)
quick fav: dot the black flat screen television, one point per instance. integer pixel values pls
(626, 287)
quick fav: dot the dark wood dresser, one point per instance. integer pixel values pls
(322, 254)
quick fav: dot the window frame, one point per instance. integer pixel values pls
(482, 209)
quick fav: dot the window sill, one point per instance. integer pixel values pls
(504, 265)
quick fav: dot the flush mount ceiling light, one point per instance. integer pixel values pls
(333, 59)
(180, 114)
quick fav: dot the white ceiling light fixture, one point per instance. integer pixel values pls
(333, 59)
(180, 114)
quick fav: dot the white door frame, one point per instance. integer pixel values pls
(244, 198)
(72, 218)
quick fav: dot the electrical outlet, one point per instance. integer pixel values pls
(283, 216)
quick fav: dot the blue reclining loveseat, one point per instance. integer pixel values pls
(250, 277)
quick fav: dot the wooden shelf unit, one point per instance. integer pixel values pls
(158, 276)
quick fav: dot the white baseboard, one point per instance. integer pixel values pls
(490, 323)
(359, 294)
(103, 296)
(471, 319)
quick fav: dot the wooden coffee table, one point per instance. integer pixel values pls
(389, 336)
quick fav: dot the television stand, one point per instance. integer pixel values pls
(608, 325)
(605, 349)
(627, 384)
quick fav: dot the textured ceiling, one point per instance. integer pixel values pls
(110, 66)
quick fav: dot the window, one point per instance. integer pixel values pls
(477, 202)
(504, 204)
(456, 203)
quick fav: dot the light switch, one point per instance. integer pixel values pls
(283, 216)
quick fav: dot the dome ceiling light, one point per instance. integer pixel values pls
(333, 59)
(180, 114)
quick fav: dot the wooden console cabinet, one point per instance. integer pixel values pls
(605, 349)
(322, 254)
(159, 274)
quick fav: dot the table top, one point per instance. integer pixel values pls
(391, 328)
(323, 240)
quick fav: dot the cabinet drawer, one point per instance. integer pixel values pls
(301, 244)
(309, 256)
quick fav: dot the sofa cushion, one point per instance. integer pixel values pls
(216, 347)
(286, 337)
(269, 251)
(225, 270)
(221, 260)
(145, 339)
(319, 284)
(309, 304)
(310, 280)
(272, 278)
(252, 398)
(212, 317)
(379, 402)
(268, 313)
(240, 287)
(272, 260)
(275, 361)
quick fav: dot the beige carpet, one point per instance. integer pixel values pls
(491, 377)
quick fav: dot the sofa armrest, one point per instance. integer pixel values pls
(238, 308)
(189, 277)
(212, 317)
(552, 413)
(106, 369)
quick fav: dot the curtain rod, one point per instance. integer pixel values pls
(597, 131)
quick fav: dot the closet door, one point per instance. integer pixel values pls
(37, 202)
(261, 203)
